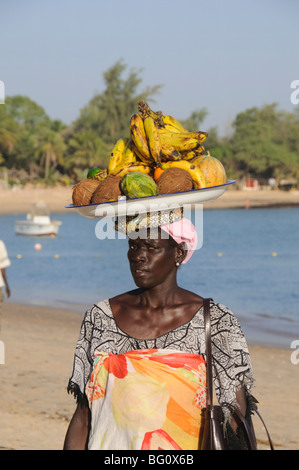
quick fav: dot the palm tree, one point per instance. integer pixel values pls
(50, 150)
(8, 140)
(109, 112)
(86, 150)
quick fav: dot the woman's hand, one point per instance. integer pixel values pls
(78, 431)
(242, 402)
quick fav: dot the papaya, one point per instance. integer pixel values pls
(212, 168)
(136, 184)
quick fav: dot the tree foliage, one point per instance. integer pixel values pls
(195, 120)
(264, 142)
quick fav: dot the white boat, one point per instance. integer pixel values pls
(37, 223)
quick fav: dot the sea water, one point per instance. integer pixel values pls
(249, 261)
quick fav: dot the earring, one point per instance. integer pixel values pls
(177, 264)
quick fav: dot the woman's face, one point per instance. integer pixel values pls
(152, 260)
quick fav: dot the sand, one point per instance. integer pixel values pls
(35, 408)
(21, 200)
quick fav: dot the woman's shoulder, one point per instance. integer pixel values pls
(98, 312)
(106, 308)
(219, 309)
(224, 319)
(124, 302)
(126, 297)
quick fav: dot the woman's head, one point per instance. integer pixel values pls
(154, 259)
(172, 222)
(165, 238)
(183, 231)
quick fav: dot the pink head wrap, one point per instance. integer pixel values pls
(183, 231)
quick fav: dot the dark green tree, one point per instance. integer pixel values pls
(265, 142)
(108, 113)
(195, 120)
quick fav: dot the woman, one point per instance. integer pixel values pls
(139, 369)
(4, 263)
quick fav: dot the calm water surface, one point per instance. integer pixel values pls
(249, 261)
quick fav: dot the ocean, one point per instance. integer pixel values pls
(249, 261)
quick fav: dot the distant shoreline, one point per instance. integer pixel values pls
(20, 201)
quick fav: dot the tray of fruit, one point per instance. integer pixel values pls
(160, 166)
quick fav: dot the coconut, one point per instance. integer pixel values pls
(108, 190)
(174, 180)
(83, 191)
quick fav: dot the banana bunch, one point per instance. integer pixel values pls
(157, 139)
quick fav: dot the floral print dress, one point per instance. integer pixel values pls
(148, 394)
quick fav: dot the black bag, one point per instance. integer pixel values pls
(212, 435)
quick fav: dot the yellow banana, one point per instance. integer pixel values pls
(139, 156)
(129, 156)
(196, 174)
(138, 136)
(199, 151)
(137, 166)
(193, 153)
(101, 175)
(183, 142)
(116, 154)
(170, 153)
(169, 128)
(147, 111)
(153, 138)
(173, 124)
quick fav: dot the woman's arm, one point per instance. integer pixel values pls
(242, 402)
(7, 289)
(78, 431)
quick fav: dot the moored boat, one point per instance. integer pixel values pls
(38, 222)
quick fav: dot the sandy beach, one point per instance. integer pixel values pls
(35, 408)
(21, 200)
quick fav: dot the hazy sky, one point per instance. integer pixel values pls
(226, 56)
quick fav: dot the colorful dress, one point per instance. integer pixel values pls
(148, 394)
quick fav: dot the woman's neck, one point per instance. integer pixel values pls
(159, 296)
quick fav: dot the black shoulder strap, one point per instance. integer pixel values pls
(209, 377)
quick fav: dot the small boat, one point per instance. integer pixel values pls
(37, 222)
